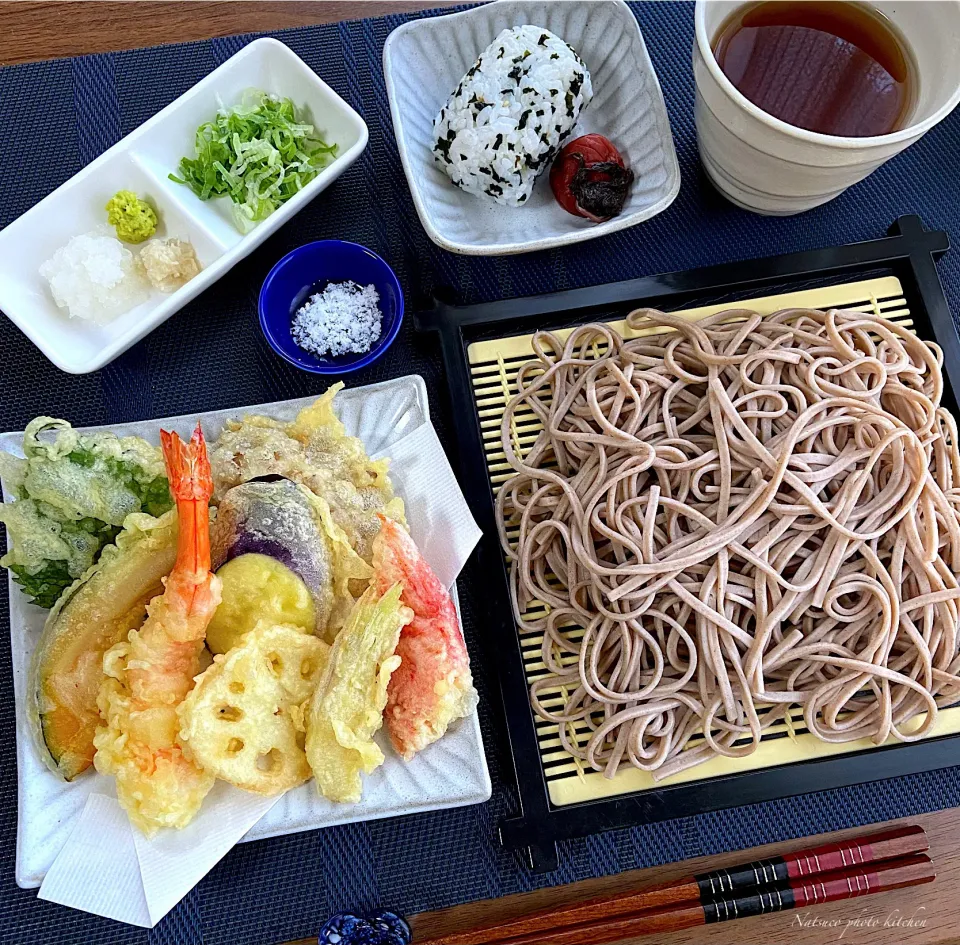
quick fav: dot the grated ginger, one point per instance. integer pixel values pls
(169, 263)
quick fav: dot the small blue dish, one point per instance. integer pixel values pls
(309, 269)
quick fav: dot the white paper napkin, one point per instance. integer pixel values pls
(98, 870)
(109, 868)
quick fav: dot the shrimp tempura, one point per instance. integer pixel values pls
(149, 674)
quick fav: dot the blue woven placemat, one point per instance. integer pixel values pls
(59, 115)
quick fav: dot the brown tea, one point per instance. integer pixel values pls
(839, 68)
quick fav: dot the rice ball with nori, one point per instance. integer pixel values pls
(511, 113)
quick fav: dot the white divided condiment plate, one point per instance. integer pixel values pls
(450, 773)
(141, 162)
(424, 60)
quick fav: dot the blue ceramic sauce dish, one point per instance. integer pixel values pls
(309, 269)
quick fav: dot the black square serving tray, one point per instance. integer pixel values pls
(907, 253)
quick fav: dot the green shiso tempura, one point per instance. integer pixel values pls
(256, 153)
(72, 495)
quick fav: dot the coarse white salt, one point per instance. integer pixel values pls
(344, 318)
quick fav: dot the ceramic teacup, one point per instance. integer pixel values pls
(764, 164)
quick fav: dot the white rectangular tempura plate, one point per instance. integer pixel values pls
(450, 773)
(141, 162)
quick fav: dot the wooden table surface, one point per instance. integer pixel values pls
(929, 914)
(30, 31)
(923, 915)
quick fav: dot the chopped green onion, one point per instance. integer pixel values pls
(256, 153)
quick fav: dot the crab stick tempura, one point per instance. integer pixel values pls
(433, 686)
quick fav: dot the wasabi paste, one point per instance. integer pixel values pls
(134, 219)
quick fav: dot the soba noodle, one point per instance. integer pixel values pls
(729, 518)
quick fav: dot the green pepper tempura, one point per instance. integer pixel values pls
(73, 494)
(134, 219)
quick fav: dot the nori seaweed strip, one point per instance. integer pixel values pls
(542, 41)
(497, 142)
(443, 147)
(555, 55)
(523, 120)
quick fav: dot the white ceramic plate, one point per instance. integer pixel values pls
(141, 162)
(450, 773)
(423, 61)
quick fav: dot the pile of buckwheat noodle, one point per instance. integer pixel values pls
(729, 518)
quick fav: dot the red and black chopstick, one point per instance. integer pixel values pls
(840, 855)
(702, 894)
(800, 891)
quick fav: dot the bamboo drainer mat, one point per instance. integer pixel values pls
(493, 366)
